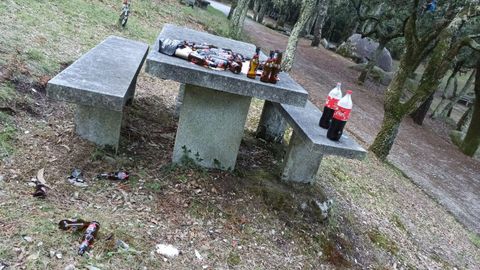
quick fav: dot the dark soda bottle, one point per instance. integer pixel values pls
(340, 117)
(73, 225)
(267, 69)
(88, 237)
(330, 106)
(252, 70)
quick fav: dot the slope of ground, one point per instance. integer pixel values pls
(241, 220)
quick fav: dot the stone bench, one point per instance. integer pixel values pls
(308, 143)
(101, 83)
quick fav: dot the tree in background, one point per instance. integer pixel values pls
(384, 21)
(439, 41)
(238, 18)
(306, 12)
(232, 9)
(322, 9)
(471, 141)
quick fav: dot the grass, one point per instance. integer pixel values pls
(382, 241)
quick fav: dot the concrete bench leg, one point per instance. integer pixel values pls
(272, 124)
(210, 127)
(97, 125)
(179, 99)
(301, 163)
(131, 91)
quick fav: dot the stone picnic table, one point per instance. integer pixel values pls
(216, 103)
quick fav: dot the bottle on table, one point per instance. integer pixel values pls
(276, 64)
(89, 237)
(267, 68)
(252, 70)
(340, 117)
(330, 106)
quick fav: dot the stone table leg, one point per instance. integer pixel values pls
(179, 99)
(301, 163)
(210, 127)
(272, 124)
(98, 125)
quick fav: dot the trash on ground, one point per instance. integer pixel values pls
(40, 191)
(89, 237)
(73, 225)
(119, 175)
(121, 244)
(27, 238)
(41, 178)
(3, 266)
(198, 255)
(167, 250)
(76, 178)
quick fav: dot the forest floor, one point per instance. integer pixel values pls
(246, 219)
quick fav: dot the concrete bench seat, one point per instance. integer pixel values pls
(308, 143)
(101, 83)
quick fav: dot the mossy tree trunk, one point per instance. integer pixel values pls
(306, 12)
(472, 139)
(256, 8)
(232, 9)
(320, 20)
(441, 104)
(238, 18)
(372, 62)
(464, 121)
(416, 49)
(419, 114)
(263, 11)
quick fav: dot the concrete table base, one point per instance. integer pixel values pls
(99, 125)
(210, 127)
(272, 124)
(301, 161)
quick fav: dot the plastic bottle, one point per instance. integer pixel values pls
(330, 106)
(340, 117)
(88, 237)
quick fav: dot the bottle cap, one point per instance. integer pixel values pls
(349, 92)
(339, 83)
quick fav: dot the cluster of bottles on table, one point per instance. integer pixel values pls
(211, 56)
(270, 68)
(336, 112)
(90, 231)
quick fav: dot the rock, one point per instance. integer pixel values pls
(324, 43)
(362, 49)
(456, 137)
(70, 267)
(309, 37)
(167, 250)
(331, 47)
(27, 238)
(376, 74)
(318, 209)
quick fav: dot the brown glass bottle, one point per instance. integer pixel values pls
(252, 70)
(267, 68)
(89, 237)
(275, 67)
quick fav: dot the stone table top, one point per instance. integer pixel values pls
(101, 78)
(286, 91)
(306, 119)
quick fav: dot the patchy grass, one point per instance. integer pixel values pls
(382, 241)
(475, 239)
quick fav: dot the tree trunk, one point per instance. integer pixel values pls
(309, 25)
(263, 10)
(419, 115)
(466, 118)
(441, 104)
(454, 100)
(306, 12)
(232, 9)
(317, 30)
(355, 28)
(372, 62)
(238, 18)
(386, 136)
(256, 7)
(281, 20)
(472, 139)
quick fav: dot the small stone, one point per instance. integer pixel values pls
(51, 253)
(75, 195)
(1, 178)
(70, 267)
(59, 255)
(27, 238)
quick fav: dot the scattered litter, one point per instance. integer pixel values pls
(70, 267)
(27, 238)
(89, 237)
(76, 178)
(40, 191)
(167, 250)
(197, 254)
(91, 267)
(120, 176)
(59, 255)
(122, 245)
(73, 225)
(41, 178)
(3, 266)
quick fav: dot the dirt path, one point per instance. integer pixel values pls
(424, 153)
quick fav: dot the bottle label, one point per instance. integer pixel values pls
(332, 103)
(342, 114)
